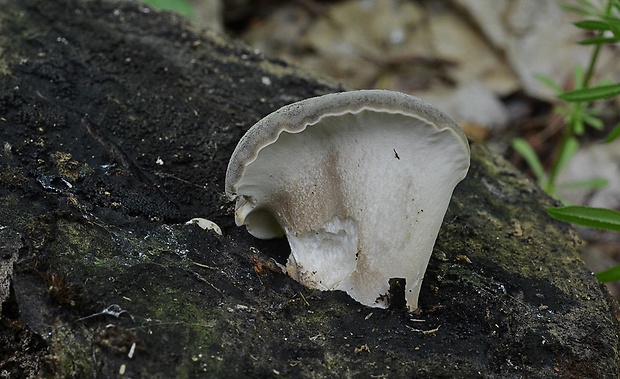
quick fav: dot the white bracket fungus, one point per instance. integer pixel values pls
(359, 182)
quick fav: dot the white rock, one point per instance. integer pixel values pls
(455, 40)
(537, 37)
(472, 102)
(595, 161)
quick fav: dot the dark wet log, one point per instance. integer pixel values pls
(117, 123)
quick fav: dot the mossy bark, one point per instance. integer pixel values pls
(117, 123)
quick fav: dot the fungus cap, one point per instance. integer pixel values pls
(359, 182)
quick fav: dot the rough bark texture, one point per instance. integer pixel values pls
(117, 123)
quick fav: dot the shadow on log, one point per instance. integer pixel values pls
(116, 125)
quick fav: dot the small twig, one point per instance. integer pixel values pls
(430, 331)
(304, 299)
(165, 175)
(199, 277)
(292, 299)
(113, 310)
(204, 266)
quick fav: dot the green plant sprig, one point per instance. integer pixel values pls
(180, 6)
(578, 113)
